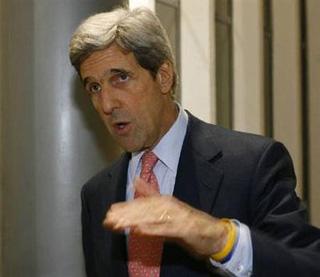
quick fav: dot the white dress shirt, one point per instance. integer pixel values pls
(168, 151)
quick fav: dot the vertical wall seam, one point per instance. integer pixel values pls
(231, 63)
(304, 102)
(224, 62)
(268, 67)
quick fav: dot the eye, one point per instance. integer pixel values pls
(123, 77)
(94, 88)
(120, 78)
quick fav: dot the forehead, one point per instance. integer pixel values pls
(109, 59)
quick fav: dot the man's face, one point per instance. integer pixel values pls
(135, 107)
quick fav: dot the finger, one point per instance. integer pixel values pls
(131, 213)
(114, 222)
(153, 230)
(114, 219)
(143, 188)
(153, 210)
(164, 229)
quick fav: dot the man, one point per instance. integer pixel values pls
(209, 201)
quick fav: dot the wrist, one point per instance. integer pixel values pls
(228, 242)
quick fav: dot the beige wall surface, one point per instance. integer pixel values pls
(313, 23)
(1, 137)
(248, 114)
(287, 80)
(197, 58)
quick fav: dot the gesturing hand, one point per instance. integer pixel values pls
(167, 217)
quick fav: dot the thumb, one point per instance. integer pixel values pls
(143, 188)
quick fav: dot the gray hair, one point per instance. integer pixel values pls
(138, 31)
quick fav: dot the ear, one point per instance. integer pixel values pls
(165, 77)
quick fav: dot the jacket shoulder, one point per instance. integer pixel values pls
(230, 141)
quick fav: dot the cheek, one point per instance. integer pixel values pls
(95, 103)
(146, 123)
(97, 106)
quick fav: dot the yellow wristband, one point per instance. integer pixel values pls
(228, 247)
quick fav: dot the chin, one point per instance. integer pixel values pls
(131, 144)
(131, 148)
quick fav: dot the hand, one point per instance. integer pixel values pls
(166, 216)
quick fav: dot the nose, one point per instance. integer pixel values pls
(108, 100)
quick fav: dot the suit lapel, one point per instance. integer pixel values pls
(197, 183)
(209, 182)
(118, 181)
(118, 178)
(198, 176)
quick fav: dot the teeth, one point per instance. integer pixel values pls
(121, 125)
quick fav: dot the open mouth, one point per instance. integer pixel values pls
(121, 125)
(121, 128)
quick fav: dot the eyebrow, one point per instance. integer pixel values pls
(118, 70)
(85, 81)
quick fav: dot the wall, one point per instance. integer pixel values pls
(248, 108)
(313, 23)
(197, 58)
(1, 208)
(287, 121)
(52, 139)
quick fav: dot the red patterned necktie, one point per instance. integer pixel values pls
(145, 252)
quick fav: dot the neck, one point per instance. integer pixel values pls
(171, 112)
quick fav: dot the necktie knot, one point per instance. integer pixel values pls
(148, 161)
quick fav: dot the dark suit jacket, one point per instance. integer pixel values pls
(226, 174)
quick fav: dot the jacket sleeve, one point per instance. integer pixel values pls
(284, 244)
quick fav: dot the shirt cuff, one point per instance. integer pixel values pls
(240, 263)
